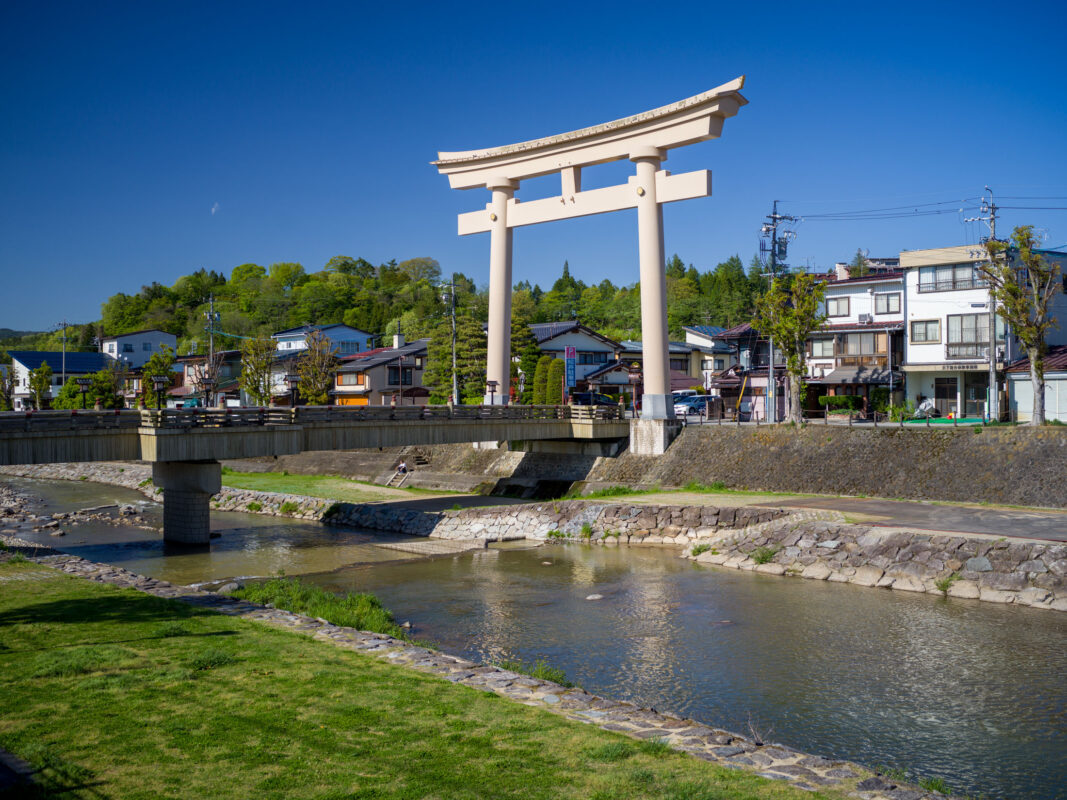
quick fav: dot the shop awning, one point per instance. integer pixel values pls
(857, 375)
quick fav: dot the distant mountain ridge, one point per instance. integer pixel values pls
(8, 333)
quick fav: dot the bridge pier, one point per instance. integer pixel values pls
(187, 490)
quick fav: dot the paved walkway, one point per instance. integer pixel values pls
(1009, 522)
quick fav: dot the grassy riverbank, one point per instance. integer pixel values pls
(326, 487)
(120, 694)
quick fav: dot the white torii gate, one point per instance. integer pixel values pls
(644, 139)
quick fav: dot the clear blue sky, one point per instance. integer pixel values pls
(142, 140)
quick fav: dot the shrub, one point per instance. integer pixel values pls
(880, 399)
(540, 669)
(851, 402)
(289, 507)
(763, 554)
(254, 506)
(144, 483)
(701, 548)
(945, 583)
(18, 558)
(935, 785)
(587, 530)
(555, 535)
(362, 611)
(554, 382)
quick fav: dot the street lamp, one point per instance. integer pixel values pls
(83, 387)
(635, 377)
(159, 383)
(491, 388)
(291, 381)
(207, 384)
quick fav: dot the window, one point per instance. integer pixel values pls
(127, 347)
(111, 347)
(968, 336)
(146, 347)
(720, 364)
(394, 376)
(926, 331)
(822, 348)
(837, 306)
(863, 344)
(349, 378)
(680, 364)
(592, 358)
(946, 277)
(887, 303)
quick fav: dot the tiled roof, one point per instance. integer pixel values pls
(136, 333)
(633, 346)
(874, 327)
(1055, 361)
(737, 331)
(383, 355)
(309, 328)
(75, 362)
(543, 331)
(705, 330)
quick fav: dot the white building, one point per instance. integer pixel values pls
(1021, 389)
(948, 336)
(345, 338)
(76, 365)
(134, 349)
(592, 351)
(715, 356)
(863, 335)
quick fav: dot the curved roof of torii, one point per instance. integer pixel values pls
(687, 121)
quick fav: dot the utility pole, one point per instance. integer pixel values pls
(776, 250)
(455, 376)
(63, 339)
(989, 212)
(212, 318)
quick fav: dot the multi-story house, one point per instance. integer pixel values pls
(715, 356)
(860, 346)
(345, 338)
(383, 376)
(592, 351)
(950, 339)
(70, 365)
(743, 385)
(134, 349)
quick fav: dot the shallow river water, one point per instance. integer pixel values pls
(971, 692)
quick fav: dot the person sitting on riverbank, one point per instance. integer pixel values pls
(402, 468)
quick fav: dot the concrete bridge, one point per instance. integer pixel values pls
(185, 446)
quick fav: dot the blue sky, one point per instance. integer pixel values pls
(145, 140)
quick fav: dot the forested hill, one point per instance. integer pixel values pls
(383, 298)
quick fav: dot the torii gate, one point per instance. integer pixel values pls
(644, 139)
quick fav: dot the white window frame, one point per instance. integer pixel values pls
(836, 301)
(886, 297)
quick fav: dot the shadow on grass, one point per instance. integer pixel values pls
(108, 608)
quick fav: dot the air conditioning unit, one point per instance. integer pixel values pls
(866, 319)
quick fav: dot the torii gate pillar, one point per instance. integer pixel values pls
(644, 139)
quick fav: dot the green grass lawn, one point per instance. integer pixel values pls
(327, 487)
(117, 694)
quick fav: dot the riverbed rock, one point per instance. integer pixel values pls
(978, 564)
(867, 576)
(595, 597)
(964, 589)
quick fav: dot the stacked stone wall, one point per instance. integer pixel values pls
(977, 567)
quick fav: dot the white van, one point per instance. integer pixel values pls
(678, 394)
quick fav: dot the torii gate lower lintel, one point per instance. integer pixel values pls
(644, 139)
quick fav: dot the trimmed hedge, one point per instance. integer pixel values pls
(853, 402)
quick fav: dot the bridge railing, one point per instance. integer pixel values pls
(26, 421)
(259, 417)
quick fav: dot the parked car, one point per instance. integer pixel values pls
(695, 404)
(592, 399)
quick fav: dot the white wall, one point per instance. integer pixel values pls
(1021, 399)
(113, 346)
(861, 301)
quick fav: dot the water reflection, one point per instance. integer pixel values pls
(969, 691)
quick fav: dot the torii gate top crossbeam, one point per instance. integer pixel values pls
(695, 119)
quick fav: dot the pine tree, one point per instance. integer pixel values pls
(525, 354)
(540, 380)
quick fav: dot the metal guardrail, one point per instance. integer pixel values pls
(260, 417)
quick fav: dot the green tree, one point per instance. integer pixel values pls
(286, 274)
(859, 266)
(7, 382)
(789, 312)
(160, 365)
(257, 358)
(316, 367)
(1022, 283)
(540, 380)
(524, 354)
(41, 384)
(554, 382)
(104, 390)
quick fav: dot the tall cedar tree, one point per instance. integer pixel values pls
(789, 312)
(257, 358)
(7, 382)
(316, 367)
(470, 361)
(525, 354)
(1022, 283)
(540, 380)
(554, 382)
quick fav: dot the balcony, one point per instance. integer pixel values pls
(971, 350)
(950, 284)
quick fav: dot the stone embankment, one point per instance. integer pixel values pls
(977, 567)
(732, 750)
(812, 544)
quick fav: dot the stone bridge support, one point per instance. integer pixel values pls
(187, 490)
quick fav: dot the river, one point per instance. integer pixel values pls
(968, 691)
